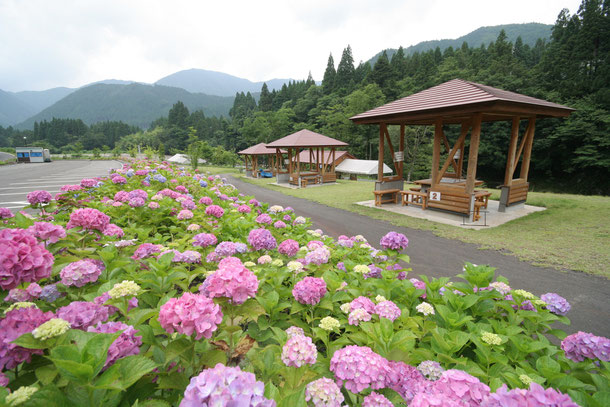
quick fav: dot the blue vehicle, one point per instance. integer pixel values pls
(265, 174)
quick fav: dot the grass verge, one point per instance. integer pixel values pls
(572, 234)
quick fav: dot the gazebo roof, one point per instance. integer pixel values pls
(306, 138)
(457, 99)
(259, 149)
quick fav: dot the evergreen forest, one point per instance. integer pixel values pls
(569, 155)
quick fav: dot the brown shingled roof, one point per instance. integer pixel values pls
(325, 158)
(306, 138)
(259, 149)
(456, 97)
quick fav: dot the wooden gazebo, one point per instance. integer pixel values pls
(467, 104)
(252, 155)
(314, 145)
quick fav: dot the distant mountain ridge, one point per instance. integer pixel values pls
(529, 33)
(135, 104)
(216, 83)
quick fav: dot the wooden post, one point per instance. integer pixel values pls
(391, 147)
(450, 159)
(436, 150)
(290, 169)
(460, 163)
(298, 154)
(381, 145)
(333, 164)
(512, 151)
(527, 154)
(473, 153)
(401, 148)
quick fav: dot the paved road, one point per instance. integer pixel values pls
(16, 181)
(439, 257)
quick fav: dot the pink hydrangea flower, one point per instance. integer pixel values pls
(80, 273)
(206, 200)
(454, 385)
(154, 205)
(358, 367)
(358, 315)
(204, 240)
(118, 179)
(16, 323)
(121, 196)
(310, 290)
(126, 344)
(319, 256)
(215, 211)
(294, 330)
(88, 182)
(22, 258)
(279, 224)
(261, 239)
(82, 314)
(244, 209)
(191, 314)
(5, 213)
(39, 197)
(185, 214)
(324, 393)
(88, 219)
(406, 380)
(47, 231)
(376, 400)
(146, 250)
(264, 219)
(535, 396)
(288, 247)
(232, 280)
(299, 350)
(387, 309)
(113, 230)
(362, 302)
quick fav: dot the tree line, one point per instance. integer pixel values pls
(572, 68)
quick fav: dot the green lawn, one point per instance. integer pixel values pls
(573, 233)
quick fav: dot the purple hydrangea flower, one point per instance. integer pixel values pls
(5, 213)
(225, 249)
(39, 197)
(394, 241)
(146, 250)
(556, 303)
(319, 256)
(225, 386)
(310, 290)
(261, 239)
(376, 400)
(47, 231)
(126, 344)
(583, 345)
(214, 210)
(264, 219)
(82, 314)
(50, 293)
(288, 247)
(406, 380)
(204, 240)
(431, 369)
(80, 273)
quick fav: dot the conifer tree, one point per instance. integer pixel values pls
(328, 82)
(265, 102)
(345, 72)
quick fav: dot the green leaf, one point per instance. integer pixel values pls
(95, 351)
(173, 380)
(46, 374)
(547, 366)
(125, 372)
(29, 342)
(48, 396)
(74, 371)
(152, 403)
(271, 392)
(22, 222)
(179, 348)
(138, 317)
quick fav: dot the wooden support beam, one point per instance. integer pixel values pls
(447, 150)
(527, 154)
(512, 151)
(473, 153)
(436, 149)
(333, 163)
(381, 146)
(401, 148)
(450, 159)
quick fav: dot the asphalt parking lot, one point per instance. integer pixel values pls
(17, 180)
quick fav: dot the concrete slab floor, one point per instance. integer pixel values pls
(490, 217)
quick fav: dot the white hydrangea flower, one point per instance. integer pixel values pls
(124, 289)
(329, 323)
(295, 266)
(362, 269)
(50, 329)
(380, 298)
(18, 305)
(425, 308)
(21, 395)
(346, 307)
(491, 338)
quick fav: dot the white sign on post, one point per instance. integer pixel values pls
(399, 156)
(435, 196)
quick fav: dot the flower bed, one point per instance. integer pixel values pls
(156, 287)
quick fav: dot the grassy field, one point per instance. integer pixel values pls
(572, 234)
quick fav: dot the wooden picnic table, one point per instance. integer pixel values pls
(427, 183)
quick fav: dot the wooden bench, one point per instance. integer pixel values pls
(379, 200)
(453, 199)
(414, 198)
(332, 177)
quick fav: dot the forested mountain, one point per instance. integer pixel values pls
(12, 109)
(530, 33)
(216, 83)
(134, 104)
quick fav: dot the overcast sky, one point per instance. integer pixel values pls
(45, 44)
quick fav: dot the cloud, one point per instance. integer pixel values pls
(75, 42)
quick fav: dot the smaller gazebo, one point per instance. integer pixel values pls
(355, 167)
(308, 159)
(252, 155)
(313, 144)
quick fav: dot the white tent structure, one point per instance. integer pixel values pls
(183, 159)
(361, 167)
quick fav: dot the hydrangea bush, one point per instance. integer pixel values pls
(159, 286)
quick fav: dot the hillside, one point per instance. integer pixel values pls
(529, 33)
(216, 83)
(12, 109)
(40, 100)
(135, 104)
